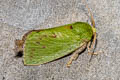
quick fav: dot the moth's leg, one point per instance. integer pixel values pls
(91, 46)
(76, 53)
(88, 47)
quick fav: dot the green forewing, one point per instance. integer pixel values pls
(49, 44)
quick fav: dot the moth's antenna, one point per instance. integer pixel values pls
(94, 31)
(92, 19)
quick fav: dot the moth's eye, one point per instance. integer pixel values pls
(19, 54)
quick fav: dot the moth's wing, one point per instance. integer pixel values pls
(47, 45)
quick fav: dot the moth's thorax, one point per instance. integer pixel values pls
(84, 30)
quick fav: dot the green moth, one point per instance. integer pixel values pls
(45, 45)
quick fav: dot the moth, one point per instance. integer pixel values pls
(45, 45)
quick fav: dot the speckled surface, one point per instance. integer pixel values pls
(19, 16)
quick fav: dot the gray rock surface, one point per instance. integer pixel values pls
(19, 16)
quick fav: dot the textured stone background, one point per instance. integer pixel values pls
(19, 16)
